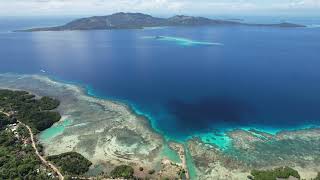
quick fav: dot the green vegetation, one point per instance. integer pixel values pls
(34, 112)
(122, 171)
(46, 103)
(4, 120)
(282, 172)
(23, 131)
(18, 161)
(71, 163)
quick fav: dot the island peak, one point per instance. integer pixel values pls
(130, 20)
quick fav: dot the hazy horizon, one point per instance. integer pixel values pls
(163, 8)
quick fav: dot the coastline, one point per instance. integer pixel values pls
(89, 91)
(87, 95)
(146, 154)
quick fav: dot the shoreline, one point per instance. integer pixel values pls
(125, 138)
(87, 90)
(89, 93)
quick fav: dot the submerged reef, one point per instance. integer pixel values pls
(298, 149)
(110, 134)
(105, 132)
(182, 41)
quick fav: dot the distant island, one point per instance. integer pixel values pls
(139, 21)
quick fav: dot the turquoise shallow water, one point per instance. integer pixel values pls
(190, 165)
(260, 76)
(171, 154)
(55, 130)
(264, 76)
(182, 41)
(217, 137)
(221, 140)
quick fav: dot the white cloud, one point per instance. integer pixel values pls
(169, 7)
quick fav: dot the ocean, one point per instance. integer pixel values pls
(188, 81)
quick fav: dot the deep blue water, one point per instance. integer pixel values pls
(258, 77)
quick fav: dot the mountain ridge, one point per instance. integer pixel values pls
(123, 20)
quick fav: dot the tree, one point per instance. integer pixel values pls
(122, 171)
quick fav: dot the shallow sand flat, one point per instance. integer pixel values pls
(112, 133)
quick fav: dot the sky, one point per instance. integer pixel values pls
(159, 7)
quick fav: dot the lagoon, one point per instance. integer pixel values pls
(55, 130)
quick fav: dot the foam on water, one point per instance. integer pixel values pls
(182, 41)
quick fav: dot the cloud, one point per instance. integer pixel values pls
(85, 6)
(169, 7)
